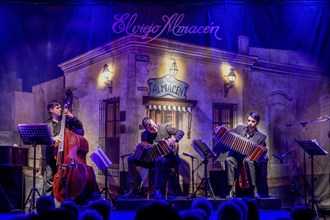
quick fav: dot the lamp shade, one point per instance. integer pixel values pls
(174, 68)
(231, 76)
(106, 74)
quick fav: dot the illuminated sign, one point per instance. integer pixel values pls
(127, 23)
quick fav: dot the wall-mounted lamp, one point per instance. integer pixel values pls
(106, 75)
(174, 68)
(231, 79)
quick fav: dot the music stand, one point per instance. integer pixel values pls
(303, 125)
(205, 152)
(102, 162)
(34, 134)
(311, 147)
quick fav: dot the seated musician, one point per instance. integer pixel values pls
(153, 134)
(54, 125)
(234, 160)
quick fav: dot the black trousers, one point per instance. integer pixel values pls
(161, 166)
(49, 170)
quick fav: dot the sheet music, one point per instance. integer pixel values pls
(100, 159)
(324, 151)
(202, 148)
(312, 147)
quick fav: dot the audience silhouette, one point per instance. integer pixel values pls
(193, 214)
(242, 205)
(204, 204)
(90, 214)
(229, 211)
(159, 210)
(103, 207)
(44, 204)
(200, 209)
(71, 206)
(301, 213)
(252, 208)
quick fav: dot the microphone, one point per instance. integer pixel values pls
(189, 155)
(279, 158)
(285, 154)
(324, 116)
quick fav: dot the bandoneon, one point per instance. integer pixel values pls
(240, 144)
(147, 153)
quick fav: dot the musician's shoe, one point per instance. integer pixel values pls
(132, 192)
(158, 194)
(232, 193)
(256, 195)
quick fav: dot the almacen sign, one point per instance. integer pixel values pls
(167, 85)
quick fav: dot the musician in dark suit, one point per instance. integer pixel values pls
(54, 125)
(234, 160)
(153, 134)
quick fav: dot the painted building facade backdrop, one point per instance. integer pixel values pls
(280, 73)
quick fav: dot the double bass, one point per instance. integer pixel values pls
(74, 179)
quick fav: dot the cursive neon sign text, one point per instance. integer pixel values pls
(126, 23)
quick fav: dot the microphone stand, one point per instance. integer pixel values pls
(311, 189)
(192, 171)
(291, 172)
(305, 181)
(303, 125)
